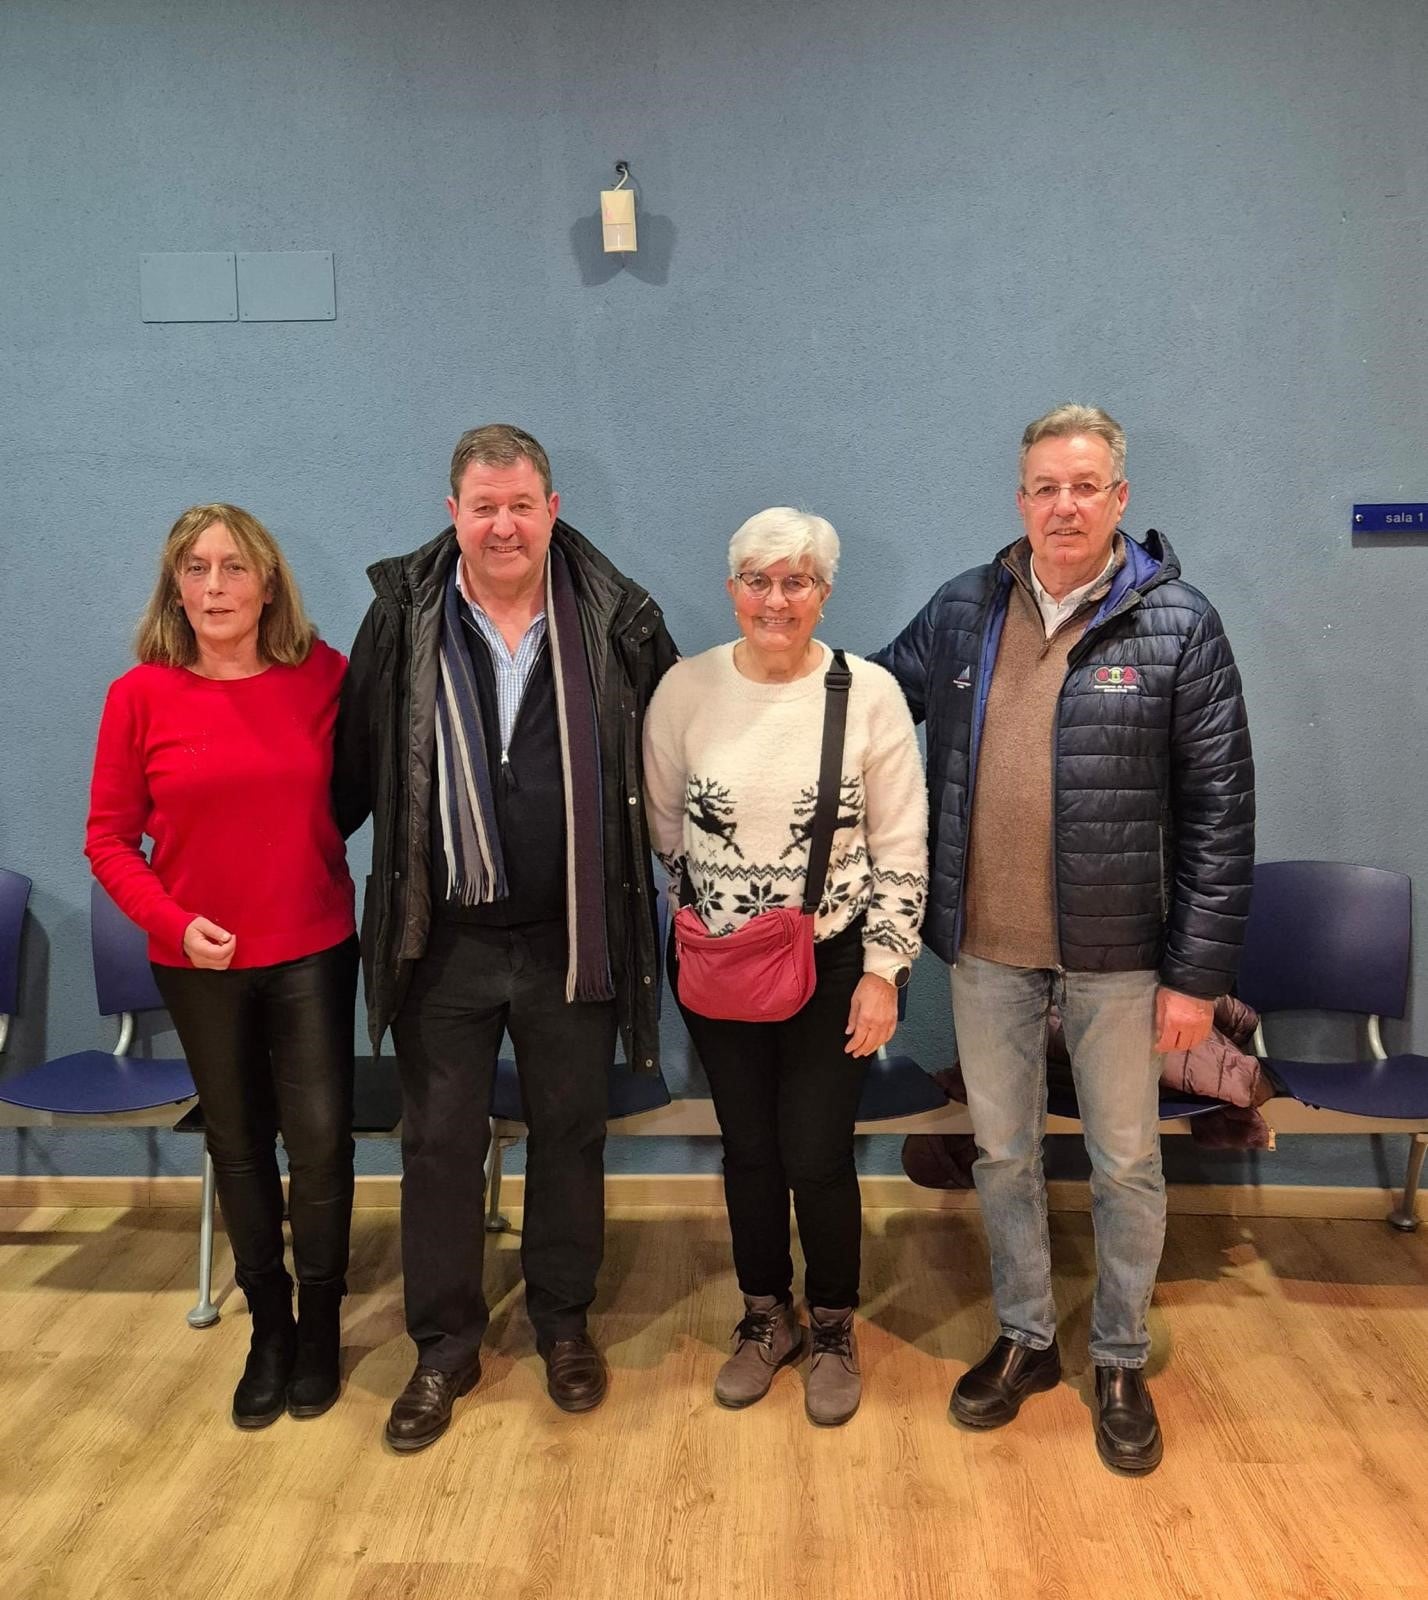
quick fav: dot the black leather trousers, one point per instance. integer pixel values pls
(270, 1049)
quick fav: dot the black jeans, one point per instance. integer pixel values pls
(473, 984)
(270, 1050)
(786, 1095)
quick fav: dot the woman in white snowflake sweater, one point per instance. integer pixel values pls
(732, 745)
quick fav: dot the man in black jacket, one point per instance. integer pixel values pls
(490, 724)
(1092, 845)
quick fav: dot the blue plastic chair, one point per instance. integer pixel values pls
(101, 1083)
(898, 1086)
(1061, 1102)
(14, 897)
(630, 1093)
(1330, 936)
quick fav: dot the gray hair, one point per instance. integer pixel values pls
(784, 534)
(497, 444)
(1066, 421)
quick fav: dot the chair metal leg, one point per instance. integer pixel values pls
(205, 1313)
(495, 1222)
(1405, 1216)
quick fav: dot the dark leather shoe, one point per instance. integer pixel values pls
(1127, 1432)
(574, 1373)
(990, 1394)
(422, 1411)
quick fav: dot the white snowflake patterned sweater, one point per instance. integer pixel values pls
(731, 776)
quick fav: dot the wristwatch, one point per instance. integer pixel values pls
(899, 978)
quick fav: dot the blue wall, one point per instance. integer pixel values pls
(875, 241)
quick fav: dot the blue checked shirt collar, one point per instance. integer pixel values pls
(512, 670)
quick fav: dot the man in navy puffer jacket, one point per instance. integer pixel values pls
(1092, 842)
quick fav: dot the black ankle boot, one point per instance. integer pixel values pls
(316, 1378)
(262, 1392)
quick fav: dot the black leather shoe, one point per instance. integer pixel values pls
(990, 1394)
(421, 1413)
(574, 1373)
(1127, 1432)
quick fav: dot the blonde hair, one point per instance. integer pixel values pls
(285, 633)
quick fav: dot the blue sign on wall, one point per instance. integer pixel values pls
(1401, 518)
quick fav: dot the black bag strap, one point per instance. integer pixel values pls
(836, 684)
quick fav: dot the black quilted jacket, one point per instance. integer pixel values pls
(1153, 784)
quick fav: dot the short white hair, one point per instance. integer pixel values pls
(783, 533)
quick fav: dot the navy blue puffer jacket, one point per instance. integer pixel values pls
(1153, 779)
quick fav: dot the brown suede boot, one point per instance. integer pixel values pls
(835, 1384)
(769, 1337)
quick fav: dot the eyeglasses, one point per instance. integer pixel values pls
(795, 585)
(1047, 494)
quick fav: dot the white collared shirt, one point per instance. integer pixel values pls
(1055, 612)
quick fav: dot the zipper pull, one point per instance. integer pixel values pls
(508, 773)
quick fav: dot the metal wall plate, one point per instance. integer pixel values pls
(188, 286)
(286, 286)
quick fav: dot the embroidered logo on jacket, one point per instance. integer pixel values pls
(1116, 680)
(963, 680)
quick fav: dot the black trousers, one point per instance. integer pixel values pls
(270, 1050)
(473, 984)
(786, 1095)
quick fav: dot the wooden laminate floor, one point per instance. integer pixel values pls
(1290, 1369)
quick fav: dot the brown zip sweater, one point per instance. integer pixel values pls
(1009, 910)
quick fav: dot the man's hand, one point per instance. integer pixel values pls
(1181, 1020)
(207, 945)
(872, 1017)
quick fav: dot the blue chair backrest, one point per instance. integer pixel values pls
(1327, 936)
(122, 979)
(14, 897)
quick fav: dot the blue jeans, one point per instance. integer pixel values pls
(1109, 1020)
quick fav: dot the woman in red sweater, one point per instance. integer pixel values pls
(218, 748)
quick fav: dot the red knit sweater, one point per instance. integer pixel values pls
(229, 778)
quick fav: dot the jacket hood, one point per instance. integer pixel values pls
(1152, 559)
(1149, 563)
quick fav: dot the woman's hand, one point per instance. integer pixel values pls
(207, 945)
(872, 1017)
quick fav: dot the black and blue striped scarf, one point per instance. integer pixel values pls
(475, 868)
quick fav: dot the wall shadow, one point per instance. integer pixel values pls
(650, 262)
